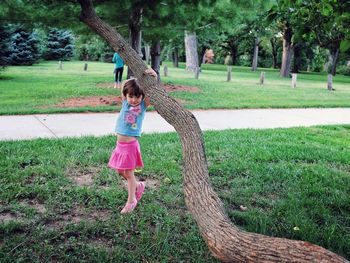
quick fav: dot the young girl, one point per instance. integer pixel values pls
(127, 155)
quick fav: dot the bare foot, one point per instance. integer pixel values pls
(129, 207)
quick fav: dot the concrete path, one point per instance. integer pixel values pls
(98, 124)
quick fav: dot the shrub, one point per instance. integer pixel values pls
(344, 70)
(93, 49)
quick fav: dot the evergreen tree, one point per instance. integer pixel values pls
(4, 46)
(24, 47)
(59, 45)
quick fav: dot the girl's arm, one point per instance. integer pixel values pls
(147, 101)
(152, 73)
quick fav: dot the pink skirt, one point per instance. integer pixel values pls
(126, 156)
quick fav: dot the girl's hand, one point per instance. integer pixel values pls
(151, 72)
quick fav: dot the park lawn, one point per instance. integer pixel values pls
(39, 88)
(60, 202)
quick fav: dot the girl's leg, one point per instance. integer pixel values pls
(140, 186)
(132, 183)
(129, 174)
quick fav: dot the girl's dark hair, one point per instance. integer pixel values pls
(132, 87)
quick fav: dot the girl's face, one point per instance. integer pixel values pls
(133, 100)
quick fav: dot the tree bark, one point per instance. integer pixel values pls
(287, 51)
(176, 57)
(135, 33)
(147, 54)
(234, 55)
(227, 242)
(191, 51)
(255, 54)
(202, 56)
(155, 57)
(334, 56)
(274, 52)
(297, 58)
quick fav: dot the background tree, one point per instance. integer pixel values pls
(191, 24)
(59, 45)
(276, 45)
(283, 14)
(236, 25)
(24, 47)
(326, 23)
(92, 48)
(4, 46)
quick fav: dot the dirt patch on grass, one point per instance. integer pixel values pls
(174, 88)
(83, 176)
(92, 101)
(78, 214)
(7, 217)
(34, 204)
(112, 100)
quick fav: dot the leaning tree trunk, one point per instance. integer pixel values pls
(155, 57)
(287, 52)
(255, 54)
(135, 21)
(226, 241)
(191, 51)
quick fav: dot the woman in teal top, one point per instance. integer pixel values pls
(118, 70)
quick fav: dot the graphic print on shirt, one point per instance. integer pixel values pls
(131, 116)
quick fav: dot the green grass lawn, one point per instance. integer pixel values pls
(59, 201)
(38, 88)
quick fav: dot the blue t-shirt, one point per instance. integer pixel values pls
(130, 119)
(118, 61)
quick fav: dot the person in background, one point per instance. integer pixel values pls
(118, 70)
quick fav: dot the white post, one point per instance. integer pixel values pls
(294, 80)
(229, 70)
(262, 77)
(330, 82)
(60, 64)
